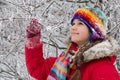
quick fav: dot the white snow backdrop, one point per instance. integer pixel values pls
(55, 15)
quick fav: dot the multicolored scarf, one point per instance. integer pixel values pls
(60, 68)
(63, 63)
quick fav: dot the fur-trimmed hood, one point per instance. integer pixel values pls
(106, 48)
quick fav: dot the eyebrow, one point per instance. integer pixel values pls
(78, 22)
(81, 22)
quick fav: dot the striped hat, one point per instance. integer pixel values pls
(95, 19)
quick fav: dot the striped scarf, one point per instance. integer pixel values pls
(60, 68)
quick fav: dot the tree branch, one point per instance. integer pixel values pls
(76, 1)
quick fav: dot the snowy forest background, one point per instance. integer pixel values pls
(55, 15)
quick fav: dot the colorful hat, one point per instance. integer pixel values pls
(95, 19)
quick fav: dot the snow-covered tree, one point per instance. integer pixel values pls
(55, 16)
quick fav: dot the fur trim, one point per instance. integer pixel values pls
(106, 48)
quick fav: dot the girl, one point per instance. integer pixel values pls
(90, 54)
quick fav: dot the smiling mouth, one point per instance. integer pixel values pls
(75, 33)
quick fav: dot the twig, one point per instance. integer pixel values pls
(54, 44)
(19, 7)
(2, 3)
(76, 1)
(48, 7)
(4, 19)
(114, 28)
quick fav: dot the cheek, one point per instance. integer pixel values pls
(84, 34)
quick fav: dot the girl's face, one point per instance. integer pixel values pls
(79, 32)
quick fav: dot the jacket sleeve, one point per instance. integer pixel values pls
(37, 66)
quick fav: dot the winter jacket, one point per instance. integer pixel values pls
(98, 62)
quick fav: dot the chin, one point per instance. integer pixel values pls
(74, 40)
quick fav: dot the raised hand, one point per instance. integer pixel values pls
(34, 29)
(33, 33)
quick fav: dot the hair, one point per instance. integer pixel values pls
(79, 59)
(76, 75)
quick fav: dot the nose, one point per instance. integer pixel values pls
(74, 27)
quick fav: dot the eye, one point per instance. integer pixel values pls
(80, 23)
(73, 24)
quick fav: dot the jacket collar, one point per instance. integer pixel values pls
(106, 48)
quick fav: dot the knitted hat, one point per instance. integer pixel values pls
(95, 20)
